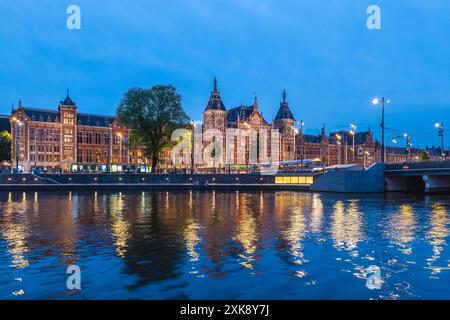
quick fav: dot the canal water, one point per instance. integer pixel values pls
(223, 245)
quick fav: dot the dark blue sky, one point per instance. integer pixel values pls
(321, 52)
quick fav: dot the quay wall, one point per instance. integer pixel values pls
(143, 181)
(371, 180)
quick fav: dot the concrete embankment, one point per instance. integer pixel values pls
(344, 181)
(145, 181)
(371, 180)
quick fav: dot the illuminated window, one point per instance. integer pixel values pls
(294, 180)
(69, 118)
(286, 180)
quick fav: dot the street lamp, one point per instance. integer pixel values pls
(440, 127)
(301, 144)
(382, 101)
(353, 133)
(18, 124)
(119, 135)
(408, 144)
(295, 140)
(193, 147)
(339, 138)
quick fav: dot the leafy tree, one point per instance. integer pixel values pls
(425, 155)
(5, 146)
(152, 114)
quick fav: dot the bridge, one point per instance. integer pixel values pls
(429, 177)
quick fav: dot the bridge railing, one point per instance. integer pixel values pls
(418, 165)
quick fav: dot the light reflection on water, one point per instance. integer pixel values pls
(223, 245)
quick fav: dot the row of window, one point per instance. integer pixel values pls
(294, 180)
(40, 134)
(98, 138)
(42, 148)
(52, 135)
(42, 158)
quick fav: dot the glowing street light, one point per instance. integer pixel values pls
(339, 142)
(18, 124)
(382, 101)
(440, 128)
(408, 144)
(302, 123)
(353, 133)
(119, 135)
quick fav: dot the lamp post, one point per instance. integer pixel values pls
(352, 133)
(338, 141)
(18, 124)
(440, 127)
(295, 141)
(119, 135)
(35, 148)
(382, 101)
(193, 147)
(408, 144)
(301, 144)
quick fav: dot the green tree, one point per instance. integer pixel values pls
(5, 146)
(152, 114)
(425, 155)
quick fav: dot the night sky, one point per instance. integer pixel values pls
(321, 52)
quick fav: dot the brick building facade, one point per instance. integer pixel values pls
(331, 149)
(64, 140)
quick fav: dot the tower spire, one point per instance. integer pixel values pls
(255, 103)
(68, 101)
(215, 102)
(284, 112)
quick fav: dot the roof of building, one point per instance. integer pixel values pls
(94, 120)
(68, 101)
(360, 137)
(215, 102)
(4, 123)
(312, 138)
(44, 115)
(241, 113)
(396, 150)
(284, 112)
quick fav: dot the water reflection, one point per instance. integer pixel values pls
(120, 228)
(437, 235)
(316, 213)
(222, 244)
(402, 228)
(294, 234)
(14, 229)
(346, 226)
